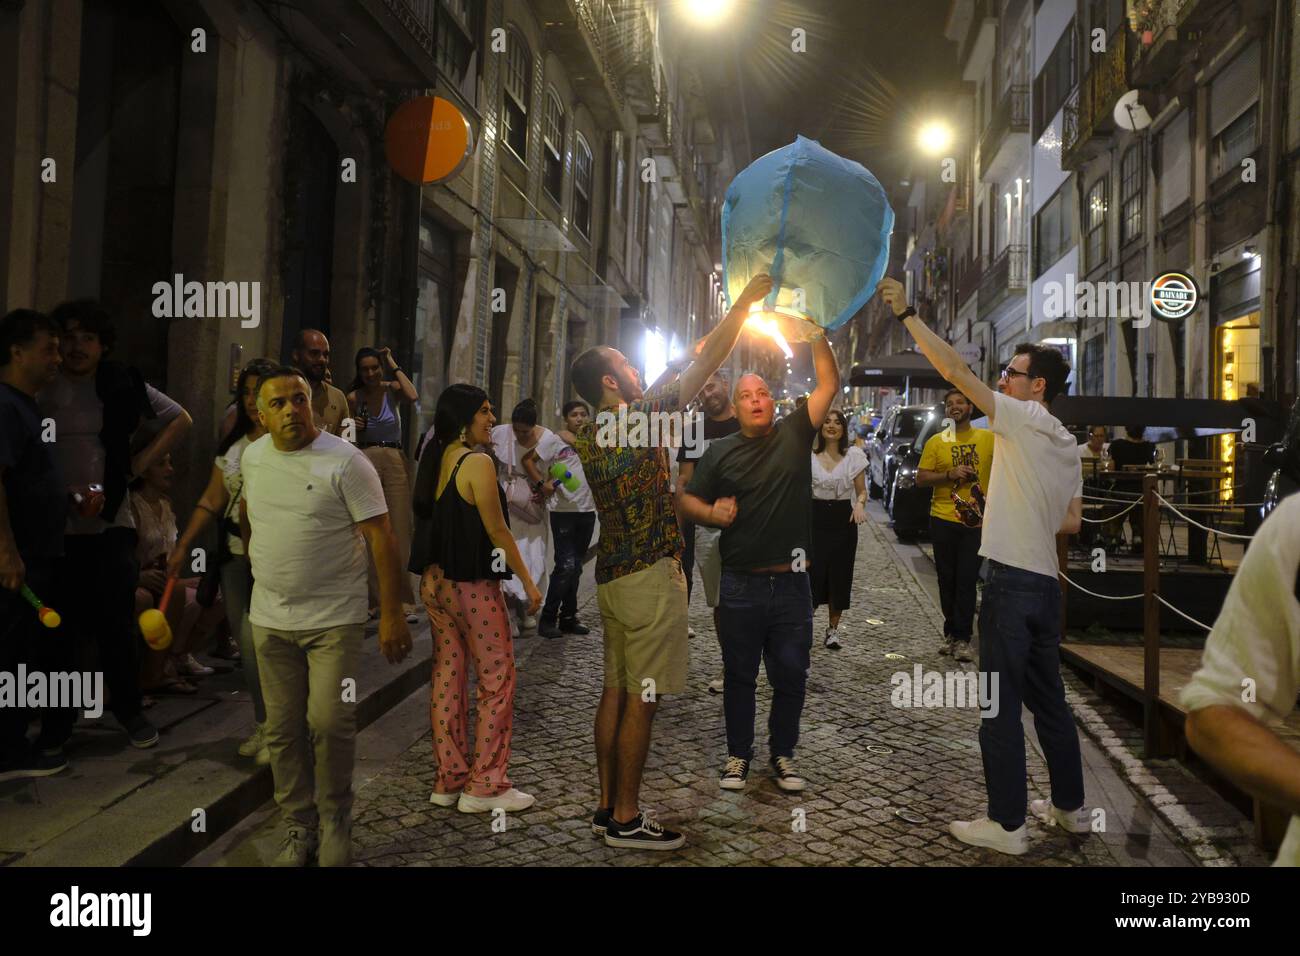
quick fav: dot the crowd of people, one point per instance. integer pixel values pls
(322, 523)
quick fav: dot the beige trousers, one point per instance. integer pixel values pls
(311, 723)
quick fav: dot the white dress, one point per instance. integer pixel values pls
(533, 539)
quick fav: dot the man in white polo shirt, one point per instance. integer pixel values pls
(1035, 492)
(310, 498)
(1250, 674)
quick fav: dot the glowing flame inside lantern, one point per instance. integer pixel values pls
(764, 323)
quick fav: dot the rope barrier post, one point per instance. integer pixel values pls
(1063, 561)
(1150, 618)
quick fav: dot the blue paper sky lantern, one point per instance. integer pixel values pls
(814, 221)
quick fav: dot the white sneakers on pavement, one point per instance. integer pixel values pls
(985, 832)
(512, 801)
(1071, 821)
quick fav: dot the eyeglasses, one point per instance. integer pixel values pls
(1010, 372)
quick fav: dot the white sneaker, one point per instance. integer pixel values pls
(255, 744)
(963, 651)
(690, 632)
(1077, 821)
(832, 639)
(511, 801)
(528, 623)
(715, 686)
(444, 799)
(984, 832)
(946, 646)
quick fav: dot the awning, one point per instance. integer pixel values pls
(1188, 417)
(902, 369)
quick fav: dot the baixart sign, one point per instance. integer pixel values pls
(1174, 296)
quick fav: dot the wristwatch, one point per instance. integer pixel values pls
(906, 314)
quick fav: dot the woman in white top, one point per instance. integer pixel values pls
(839, 496)
(220, 503)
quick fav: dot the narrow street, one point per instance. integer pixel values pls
(866, 761)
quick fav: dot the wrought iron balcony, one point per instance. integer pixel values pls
(1010, 116)
(1089, 113)
(1007, 273)
(584, 35)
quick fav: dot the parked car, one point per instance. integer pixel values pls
(897, 432)
(909, 503)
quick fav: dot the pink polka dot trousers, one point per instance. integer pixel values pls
(470, 625)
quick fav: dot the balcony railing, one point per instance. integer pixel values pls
(419, 17)
(969, 282)
(583, 33)
(1007, 273)
(1089, 111)
(1010, 116)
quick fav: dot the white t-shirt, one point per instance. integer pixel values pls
(837, 484)
(552, 449)
(1036, 474)
(1257, 636)
(234, 482)
(308, 556)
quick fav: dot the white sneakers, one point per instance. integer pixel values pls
(985, 832)
(1071, 821)
(255, 746)
(715, 686)
(444, 799)
(512, 801)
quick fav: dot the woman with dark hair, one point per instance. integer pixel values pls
(374, 401)
(839, 496)
(527, 492)
(220, 503)
(464, 536)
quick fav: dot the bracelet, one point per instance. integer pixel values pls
(906, 314)
(207, 509)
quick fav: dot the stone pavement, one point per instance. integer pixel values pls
(865, 761)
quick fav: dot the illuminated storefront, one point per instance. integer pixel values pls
(1236, 346)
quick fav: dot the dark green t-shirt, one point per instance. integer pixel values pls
(771, 480)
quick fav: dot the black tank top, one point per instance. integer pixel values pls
(461, 544)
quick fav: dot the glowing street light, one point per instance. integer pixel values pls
(707, 12)
(934, 138)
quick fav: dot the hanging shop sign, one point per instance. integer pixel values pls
(428, 140)
(1174, 296)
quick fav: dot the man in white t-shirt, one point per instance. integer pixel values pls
(573, 522)
(1035, 492)
(310, 498)
(1250, 674)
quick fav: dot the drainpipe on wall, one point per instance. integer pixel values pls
(1274, 291)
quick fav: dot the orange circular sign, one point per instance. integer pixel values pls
(428, 140)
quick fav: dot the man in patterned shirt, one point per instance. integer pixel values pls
(639, 582)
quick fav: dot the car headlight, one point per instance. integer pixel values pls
(906, 478)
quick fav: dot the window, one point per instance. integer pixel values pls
(1235, 143)
(553, 147)
(620, 173)
(1094, 369)
(518, 86)
(1095, 217)
(1130, 191)
(1053, 230)
(1057, 78)
(582, 187)
(1175, 167)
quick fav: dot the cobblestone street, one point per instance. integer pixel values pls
(864, 760)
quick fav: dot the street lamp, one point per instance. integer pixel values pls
(707, 12)
(934, 138)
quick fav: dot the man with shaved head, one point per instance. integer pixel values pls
(754, 485)
(311, 356)
(639, 582)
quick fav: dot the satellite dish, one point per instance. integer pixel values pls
(1130, 114)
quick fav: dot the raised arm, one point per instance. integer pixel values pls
(939, 353)
(828, 381)
(162, 443)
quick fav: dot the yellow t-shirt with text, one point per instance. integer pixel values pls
(974, 447)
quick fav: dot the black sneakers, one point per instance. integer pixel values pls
(39, 764)
(141, 733)
(787, 778)
(642, 833)
(734, 774)
(571, 626)
(600, 822)
(549, 629)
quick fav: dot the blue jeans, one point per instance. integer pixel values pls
(1020, 642)
(571, 534)
(764, 617)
